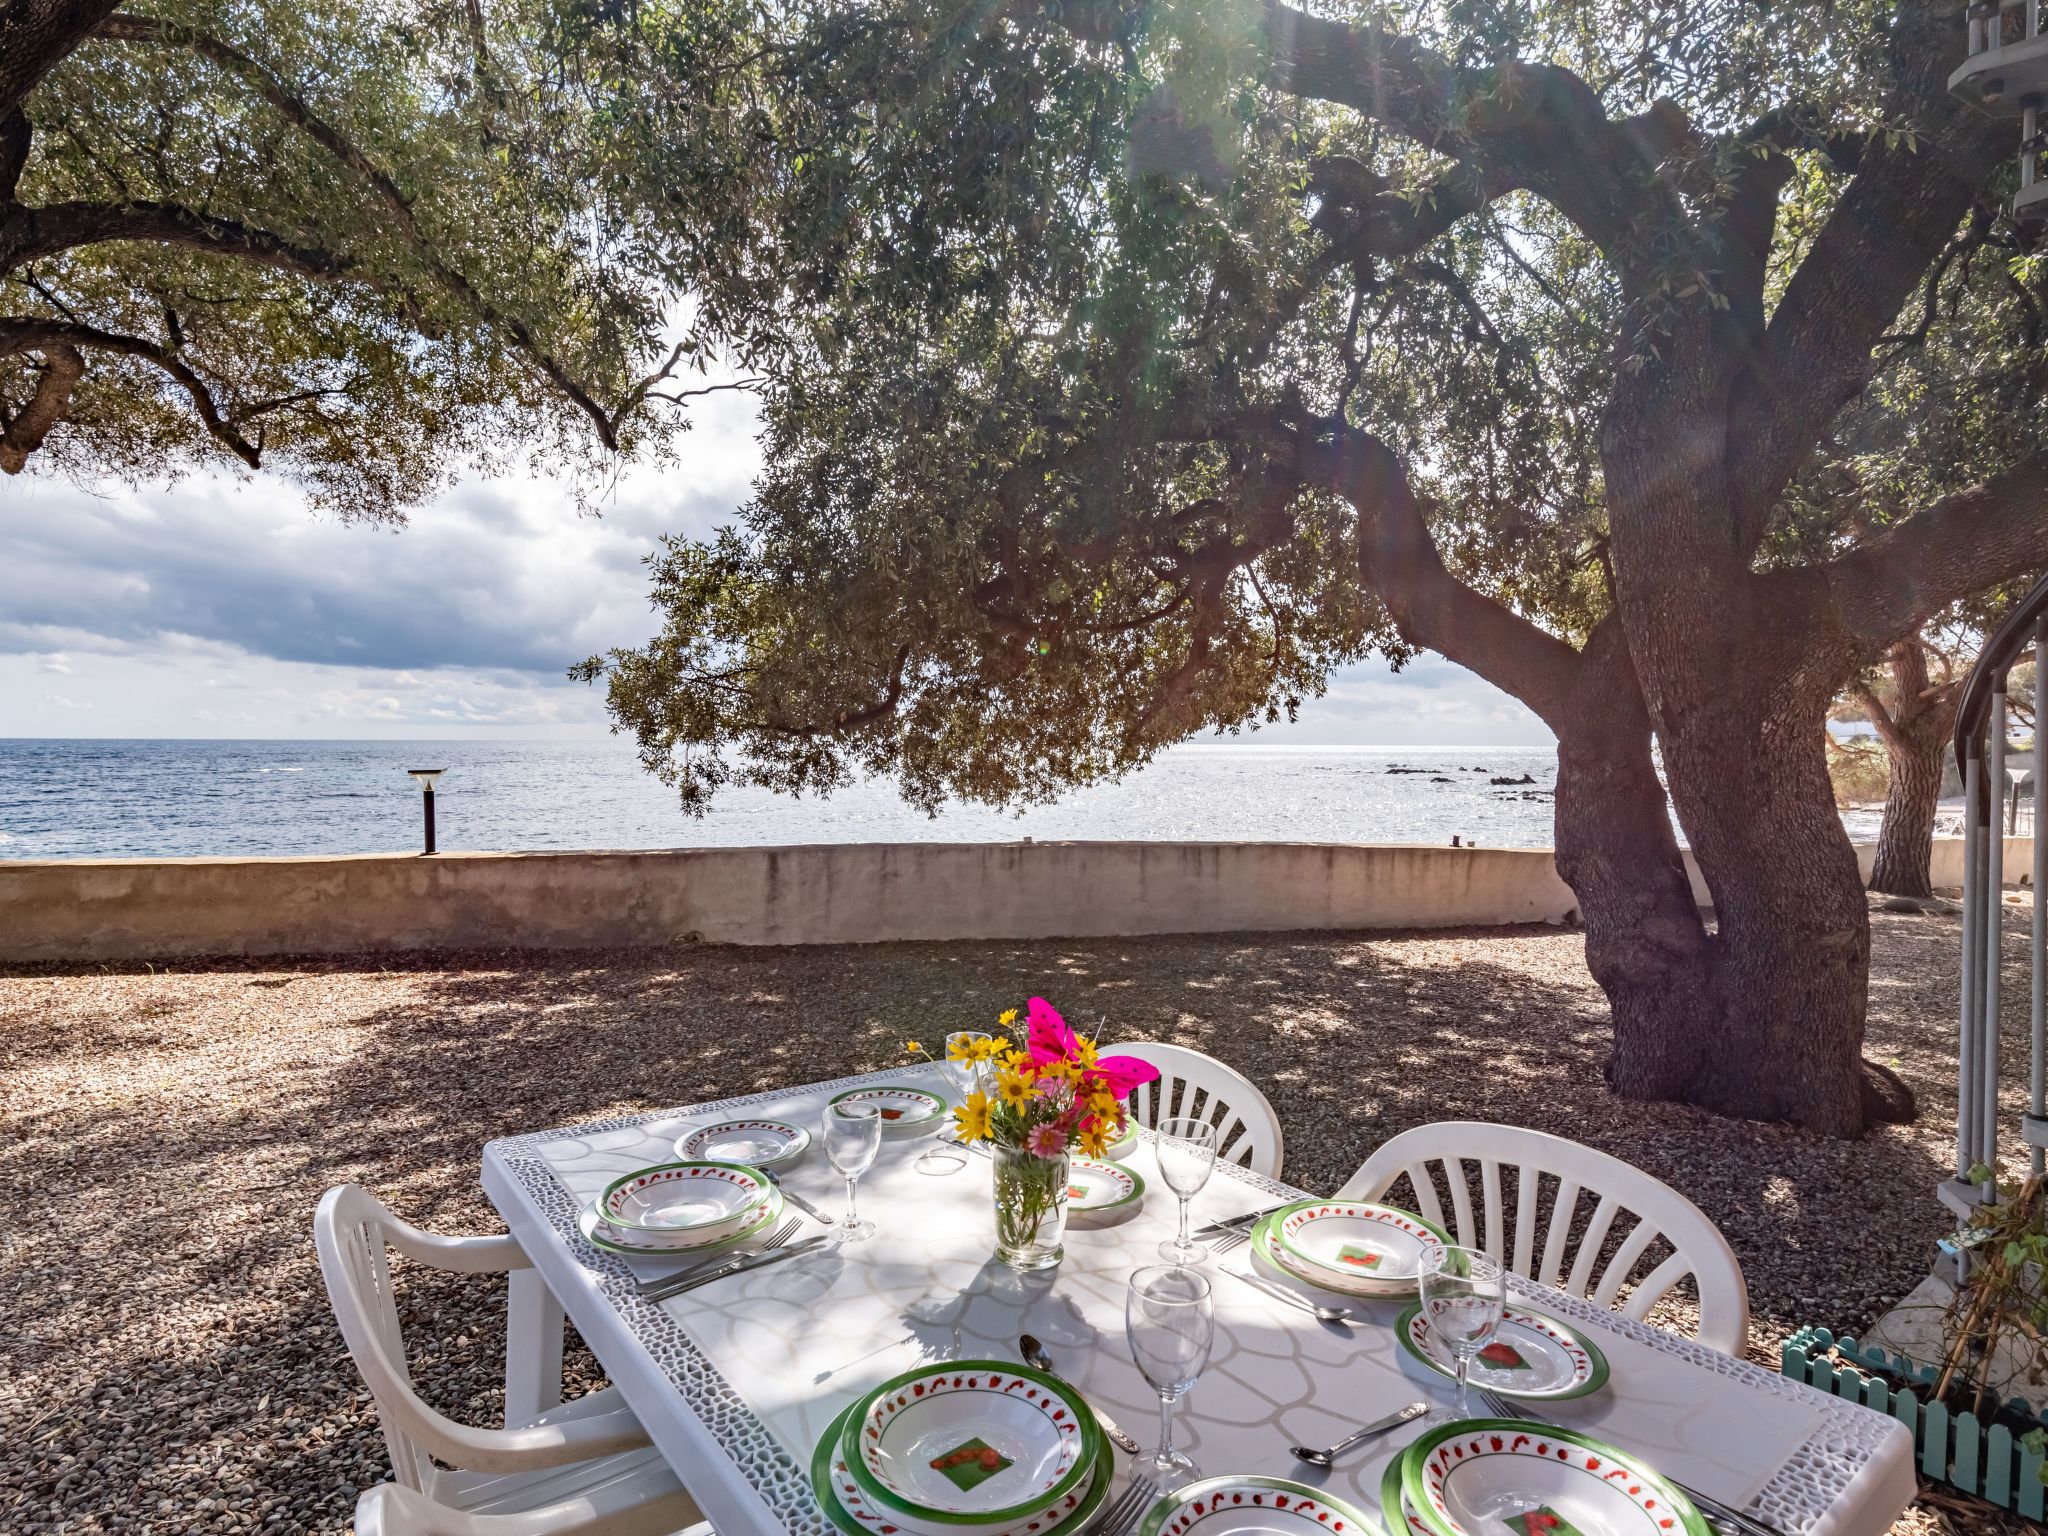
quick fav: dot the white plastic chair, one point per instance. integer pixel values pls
(584, 1466)
(1698, 1248)
(1191, 1084)
(389, 1510)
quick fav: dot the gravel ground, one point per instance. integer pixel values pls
(170, 1362)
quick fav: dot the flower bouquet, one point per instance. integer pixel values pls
(1052, 1095)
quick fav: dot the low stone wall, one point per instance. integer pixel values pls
(129, 909)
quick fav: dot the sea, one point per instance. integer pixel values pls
(71, 799)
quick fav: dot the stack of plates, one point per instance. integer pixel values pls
(1532, 1357)
(1485, 1476)
(757, 1143)
(904, 1111)
(687, 1207)
(964, 1448)
(1101, 1191)
(1246, 1505)
(1350, 1246)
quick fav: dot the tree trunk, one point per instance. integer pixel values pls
(1905, 838)
(1915, 728)
(1737, 672)
(1645, 942)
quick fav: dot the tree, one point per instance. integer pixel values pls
(1519, 332)
(363, 245)
(1914, 712)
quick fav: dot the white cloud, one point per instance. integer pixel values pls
(221, 608)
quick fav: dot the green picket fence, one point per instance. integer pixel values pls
(1954, 1448)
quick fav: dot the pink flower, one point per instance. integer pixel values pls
(1045, 1141)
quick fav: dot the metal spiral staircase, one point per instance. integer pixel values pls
(1981, 754)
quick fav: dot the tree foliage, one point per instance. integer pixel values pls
(365, 246)
(1073, 295)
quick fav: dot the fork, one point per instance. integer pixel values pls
(1229, 1241)
(1724, 1517)
(1129, 1508)
(776, 1239)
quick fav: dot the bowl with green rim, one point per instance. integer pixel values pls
(853, 1513)
(1362, 1247)
(693, 1201)
(1475, 1477)
(1532, 1357)
(969, 1444)
(1246, 1504)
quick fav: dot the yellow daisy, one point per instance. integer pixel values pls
(971, 1118)
(1007, 1017)
(1064, 1071)
(913, 1048)
(984, 1049)
(1092, 1141)
(1102, 1105)
(1084, 1052)
(1014, 1088)
(961, 1048)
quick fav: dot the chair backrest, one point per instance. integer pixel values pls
(1191, 1084)
(352, 1231)
(1617, 1189)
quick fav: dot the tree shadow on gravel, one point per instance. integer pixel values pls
(169, 1133)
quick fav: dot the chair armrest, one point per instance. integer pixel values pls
(464, 1255)
(529, 1448)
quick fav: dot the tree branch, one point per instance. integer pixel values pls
(35, 37)
(1892, 221)
(1430, 606)
(15, 134)
(1962, 544)
(21, 436)
(1538, 127)
(52, 337)
(145, 29)
(31, 234)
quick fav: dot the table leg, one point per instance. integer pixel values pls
(533, 1348)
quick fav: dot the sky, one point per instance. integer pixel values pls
(219, 606)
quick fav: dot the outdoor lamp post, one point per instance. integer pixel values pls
(426, 776)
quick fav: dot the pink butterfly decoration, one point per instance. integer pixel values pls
(1047, 1038)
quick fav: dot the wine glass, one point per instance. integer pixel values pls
(853, 1135)
(1170, 1317)
(1463, 1295)
(1187, 1154)
(947, 1154)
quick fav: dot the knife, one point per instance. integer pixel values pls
(799, 1201)
(690, 1282)
(1232, 1223)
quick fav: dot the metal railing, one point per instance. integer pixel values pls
(1981, 729)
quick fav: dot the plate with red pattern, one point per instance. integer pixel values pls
(1530, 1356)
(1246, 1505)
(1512, 1477)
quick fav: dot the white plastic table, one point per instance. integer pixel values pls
(736, 1381)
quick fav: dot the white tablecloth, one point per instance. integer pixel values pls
(736, 1381)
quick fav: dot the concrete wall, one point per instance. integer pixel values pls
(124, 909)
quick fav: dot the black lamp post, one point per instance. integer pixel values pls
(426, 777)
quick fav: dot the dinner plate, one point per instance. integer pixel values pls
(853, 1513)
(1096, 1188)
(1266, 1244)
(1245, 1505)
(598, 1235)
(1486, 1476)
(901, 1109)
(971, 1442)
(1357, 1241)
(1396, 1518)
(757, 1143)
(702, 1200)
(1531, 1356)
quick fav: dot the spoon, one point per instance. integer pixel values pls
(1322, 1313)
(1034, 1355)
(1377, 1427)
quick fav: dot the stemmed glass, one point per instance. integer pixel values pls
(853, 1135)
(1187, 1154)
(1170, 1317)
(1463, 1296)
(948, 1153)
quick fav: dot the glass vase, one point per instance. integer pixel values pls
(1031, 1208)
